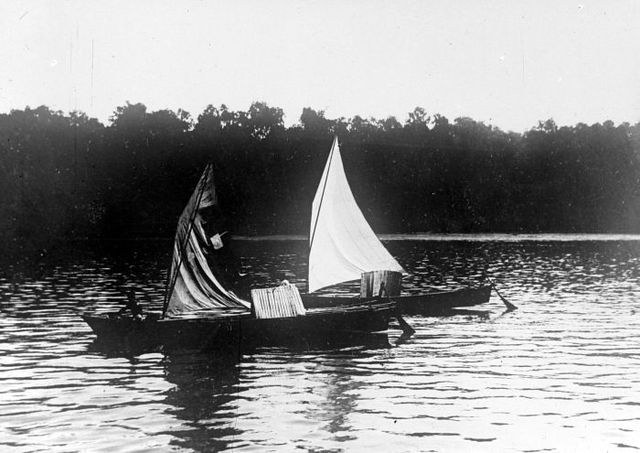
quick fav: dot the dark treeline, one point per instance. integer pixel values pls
(70, 176)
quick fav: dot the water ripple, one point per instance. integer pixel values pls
(559, 374)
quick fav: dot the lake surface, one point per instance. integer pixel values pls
(562, 373)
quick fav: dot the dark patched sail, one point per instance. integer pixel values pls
(199, 262)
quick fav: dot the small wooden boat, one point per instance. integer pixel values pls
(431, 303)
(201, 312)
(343, 247)
(207, 331)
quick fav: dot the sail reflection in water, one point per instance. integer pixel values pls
(561, 373)
(205, 396)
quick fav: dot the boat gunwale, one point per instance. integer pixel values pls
(371, 305)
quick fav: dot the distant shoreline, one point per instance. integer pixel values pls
(436, 237)
(485, 237)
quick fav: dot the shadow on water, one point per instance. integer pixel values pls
(318, 343)
(126, 348)
(212, 394)
(207, 396)
(207, 387)
(339, 399)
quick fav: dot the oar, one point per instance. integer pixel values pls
(404, 325)
(509, 305)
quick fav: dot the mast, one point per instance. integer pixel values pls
(324, 188)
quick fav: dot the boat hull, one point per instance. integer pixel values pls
(322, 327)
(427, 304)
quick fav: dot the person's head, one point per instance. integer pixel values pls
(131, 295)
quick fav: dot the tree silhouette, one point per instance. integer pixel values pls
(69, 176)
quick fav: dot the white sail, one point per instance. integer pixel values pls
(194, 282)
(342, 244)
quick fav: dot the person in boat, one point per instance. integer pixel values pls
(131, 304)
(224, 263)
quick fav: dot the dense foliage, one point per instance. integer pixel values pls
(69, 176)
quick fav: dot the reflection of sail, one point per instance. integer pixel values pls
(342, 245)
(204, 396)
(195, 287)
(339, 395)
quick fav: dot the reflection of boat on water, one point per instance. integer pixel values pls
(343, 247)
(201, 311)
(203, 400)
(221, 400)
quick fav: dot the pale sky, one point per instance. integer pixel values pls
(507, 63)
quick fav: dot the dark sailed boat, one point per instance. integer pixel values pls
(201, 312)
(208, 330)
(343, 247)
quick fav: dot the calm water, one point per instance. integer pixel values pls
(562, 373)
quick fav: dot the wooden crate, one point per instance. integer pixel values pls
(282, 301)
(374, 282)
